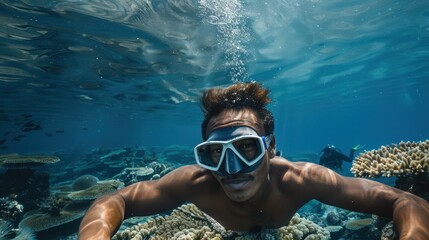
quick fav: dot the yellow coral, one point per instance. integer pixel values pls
(189, 222)
(394, 160)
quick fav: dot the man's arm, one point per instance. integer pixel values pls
(103, 218)
(410, 213)
(106, 214)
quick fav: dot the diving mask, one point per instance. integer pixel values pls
(232, 150)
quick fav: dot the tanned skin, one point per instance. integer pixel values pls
(273, 193)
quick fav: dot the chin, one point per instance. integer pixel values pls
(238, 197)
(240, 193)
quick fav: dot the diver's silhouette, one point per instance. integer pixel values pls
(333, 158)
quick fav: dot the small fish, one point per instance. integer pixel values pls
(26, 115)
(48, 134)
(7, 133)
(4, 147)
(18, 138)
(2, 141)
(84, 128)
(60, 131)
(31, 126)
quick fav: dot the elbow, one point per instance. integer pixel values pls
(406, 200)
(411, 216)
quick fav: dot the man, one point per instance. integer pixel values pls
(333, 158)
(240, 182)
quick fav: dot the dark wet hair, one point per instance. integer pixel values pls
(238, 96)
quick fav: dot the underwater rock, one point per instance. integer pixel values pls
(415, 184)
(335, 231)
(332, 218)
(22, 180)
(28, 186)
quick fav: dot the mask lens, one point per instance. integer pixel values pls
(210, 154)
(249, 148)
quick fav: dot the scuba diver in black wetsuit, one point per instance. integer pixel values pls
(333, 158)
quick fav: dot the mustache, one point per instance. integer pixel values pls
(237, 177)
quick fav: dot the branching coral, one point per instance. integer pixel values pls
(188, 222)
(395, 160)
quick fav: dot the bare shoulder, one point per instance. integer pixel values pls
(284, 168)
(184, 184)
(188, 178)
(190, 173)
(293, 175)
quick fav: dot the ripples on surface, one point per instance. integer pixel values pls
(150, 55)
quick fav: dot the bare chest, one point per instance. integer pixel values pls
(253, 219)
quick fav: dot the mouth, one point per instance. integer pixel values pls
(237, 182)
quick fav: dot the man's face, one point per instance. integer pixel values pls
(241, 186)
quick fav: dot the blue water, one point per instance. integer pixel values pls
(118, 73)
(131, 72)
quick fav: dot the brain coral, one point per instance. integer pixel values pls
(394, 160)
(84, 182)
(188, 222)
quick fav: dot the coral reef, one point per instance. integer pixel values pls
(388, 233)
(151, 171)
(101, 188)
(408, 161)
(416, 184)
(39, 221)
(358, 224)
(10, 210)
(333, 218)
(15, 160)
(84, 182)
(188, 222)
(394, 160)
(21, 179)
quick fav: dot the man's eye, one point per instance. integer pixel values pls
(247, 146)
(216, 151)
